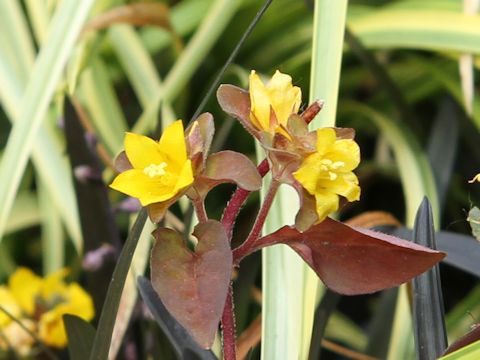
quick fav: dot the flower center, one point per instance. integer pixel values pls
(153, 170)
(330, 167)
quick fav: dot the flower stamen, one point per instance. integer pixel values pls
(153, 170)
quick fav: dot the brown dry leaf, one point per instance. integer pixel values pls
(154, 14)
(249, 338)
(371, 219)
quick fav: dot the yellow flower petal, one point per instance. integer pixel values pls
(259, 103)
(172, 144)
(160, 170)
(25, 285)
(346, 151)
(326, 138)
(142, 151)
(9, 303)
(51, 327)
(345, 185)
(147, 189)
(285, 98)
(278, 96)
(185, 178)
(326, 203)
(327, 173)
(309, 172)
(53, 285)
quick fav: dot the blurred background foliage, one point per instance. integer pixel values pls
(408, 86)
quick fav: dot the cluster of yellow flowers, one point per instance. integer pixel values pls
(326, 172)
(39, 304)
(322, 165)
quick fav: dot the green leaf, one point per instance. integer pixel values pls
(64, 30)
(80, 336)
(290, 287)
(103, 337)
(212, 27)
(427, 29)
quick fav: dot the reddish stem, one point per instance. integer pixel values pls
(199, 206)
(238, 198)
(228, 328)
(249, 244)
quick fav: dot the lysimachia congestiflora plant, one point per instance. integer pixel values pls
(194, 284)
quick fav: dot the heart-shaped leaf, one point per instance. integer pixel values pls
(193, 285)
(354, 261)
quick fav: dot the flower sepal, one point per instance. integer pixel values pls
(226, 167)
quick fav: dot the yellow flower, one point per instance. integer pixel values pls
(160, 169)
(40, 303)
(278, 98)
(25, 285)
(75, 301)
(9, 303)
(327, 173)
(475, 178)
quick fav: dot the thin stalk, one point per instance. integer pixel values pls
(237, 200)
(199, 206)
(249, 244)
(228, 328)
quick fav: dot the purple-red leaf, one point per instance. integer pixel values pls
(236, 102)
(121, 163)
(199, 135)
(467, 339)
(228, 167)
(193, 285)
(354, 261)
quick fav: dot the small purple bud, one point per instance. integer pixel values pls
(91, 140)
(85, 173)
(129, 205)
(61, 122)
(94, 260)
(130, 351)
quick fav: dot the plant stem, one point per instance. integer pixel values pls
(228, 328)
(199, 206)
(248, 245)
(238, 198)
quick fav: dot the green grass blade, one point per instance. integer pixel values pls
(219, 15)
(15, 31)
(329, 28)
(103, 106)
(47, 151)
(39, 17)
(470, 352)
(290, 287)
(108, 315)
(139, 67)
(65, 28)
(426, 29)
(53, 246)
(25, 213)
